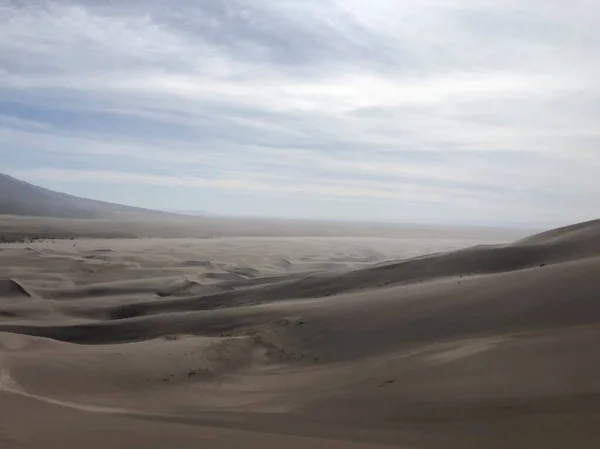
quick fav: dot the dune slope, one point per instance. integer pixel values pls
(486, 347)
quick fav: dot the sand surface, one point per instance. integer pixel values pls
(313, 342)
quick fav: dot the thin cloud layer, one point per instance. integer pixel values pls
(462, 111)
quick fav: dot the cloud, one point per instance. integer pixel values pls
(484, 105)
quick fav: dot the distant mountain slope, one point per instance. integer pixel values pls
(21, 198)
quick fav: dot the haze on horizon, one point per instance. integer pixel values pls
(449, 112)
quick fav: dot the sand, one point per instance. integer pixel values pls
(301, 342)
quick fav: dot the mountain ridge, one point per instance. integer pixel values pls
(21, 198)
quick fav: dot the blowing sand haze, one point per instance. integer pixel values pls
(301, 343)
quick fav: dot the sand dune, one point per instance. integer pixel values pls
(301, 343)
(12, 288)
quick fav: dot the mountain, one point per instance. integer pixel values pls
(21, 198)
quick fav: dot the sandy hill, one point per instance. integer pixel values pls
(123, 345)
(21, 198)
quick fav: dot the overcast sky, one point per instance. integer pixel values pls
(443, 111)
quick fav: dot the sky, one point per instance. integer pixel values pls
(424, 111)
